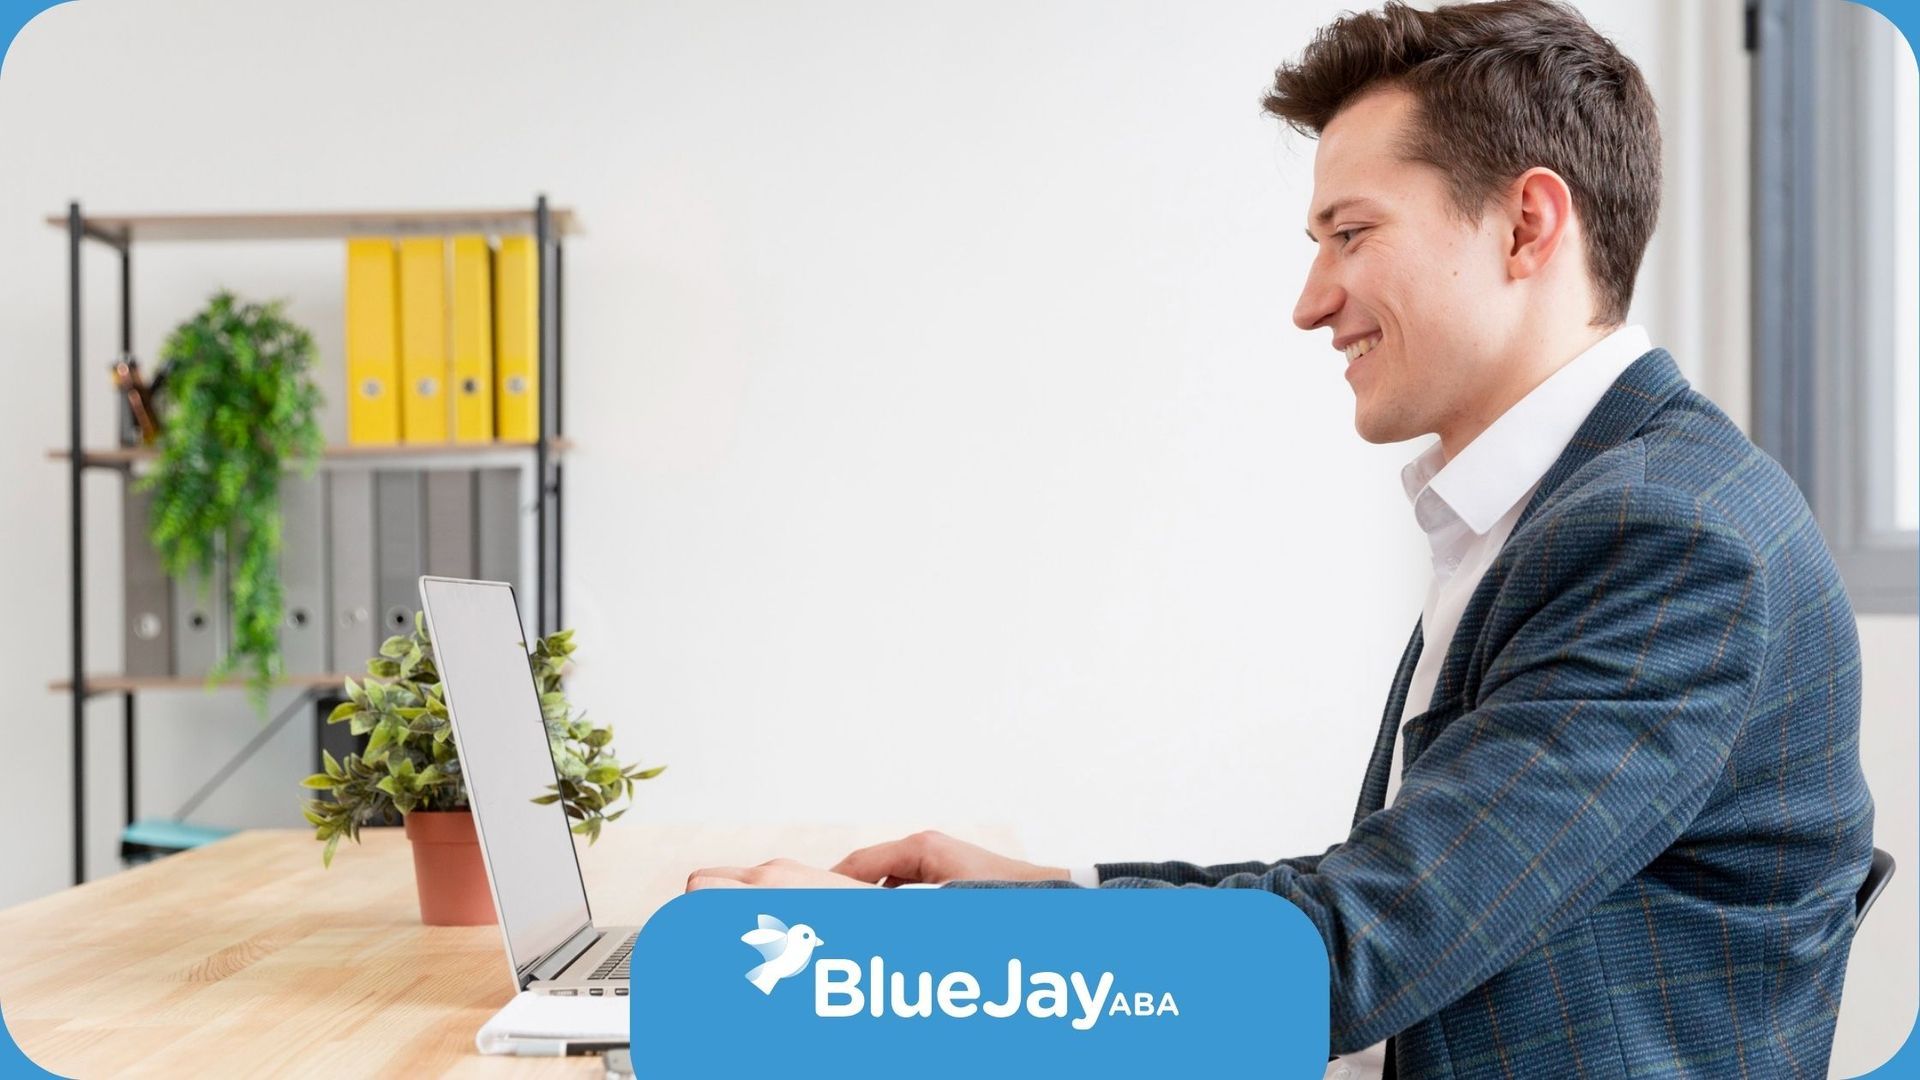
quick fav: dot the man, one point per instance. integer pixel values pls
(1624, 830)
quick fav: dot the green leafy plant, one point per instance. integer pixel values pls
(239, 408)
(411, 761)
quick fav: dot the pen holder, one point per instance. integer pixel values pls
(448, 871)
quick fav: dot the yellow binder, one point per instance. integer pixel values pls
(373, 342)
(423, 339)
(472, 372)
(517, 339)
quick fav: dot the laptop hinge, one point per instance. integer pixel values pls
(565, 953)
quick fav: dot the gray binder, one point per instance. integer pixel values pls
(399, 521)
(303, 574)
(350, 570)
(200, 619)
(147, 627)
(497, 529)
(450, 551)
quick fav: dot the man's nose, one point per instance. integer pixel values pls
(1320, 299)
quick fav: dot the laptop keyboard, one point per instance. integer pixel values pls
(615, 965)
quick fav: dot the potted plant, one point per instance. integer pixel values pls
(410, 772)
(239, 408)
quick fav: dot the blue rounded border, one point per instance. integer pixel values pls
(1905, 16)
(16, 14)
(14, 17)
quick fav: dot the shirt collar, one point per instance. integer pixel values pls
(1497, 469)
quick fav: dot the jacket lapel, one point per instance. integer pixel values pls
(1640, 391)
(1373, 790)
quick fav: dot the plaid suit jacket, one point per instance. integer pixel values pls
(1630, 827)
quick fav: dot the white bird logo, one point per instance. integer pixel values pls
(784, 952)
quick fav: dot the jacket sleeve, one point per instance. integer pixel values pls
(1635, 631)
(1186, 873)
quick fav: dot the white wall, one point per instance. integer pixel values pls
(947, 452)
(945, 443)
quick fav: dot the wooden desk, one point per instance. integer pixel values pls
(247, 957)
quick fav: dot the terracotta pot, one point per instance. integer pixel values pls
(447, 869)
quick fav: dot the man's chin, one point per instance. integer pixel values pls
(1387, 429)
(1378, 429)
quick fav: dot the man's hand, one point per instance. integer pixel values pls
(932, 858)
(777, 874)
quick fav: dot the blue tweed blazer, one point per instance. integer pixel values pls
(1630, 827)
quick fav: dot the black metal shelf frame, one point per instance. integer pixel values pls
(547, 507)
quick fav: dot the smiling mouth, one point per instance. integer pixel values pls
(1361, 348)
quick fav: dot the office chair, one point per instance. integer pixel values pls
(1877, 874)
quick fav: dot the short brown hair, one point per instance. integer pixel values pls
(1501, 87)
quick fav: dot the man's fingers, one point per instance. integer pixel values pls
(897, 859)
(699, 882)
(717, 877)
(856, 864)
(738, 873)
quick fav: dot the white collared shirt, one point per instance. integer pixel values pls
(1468, 507)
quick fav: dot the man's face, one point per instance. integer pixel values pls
(1411, 292)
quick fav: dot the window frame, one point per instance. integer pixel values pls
(1823, 280)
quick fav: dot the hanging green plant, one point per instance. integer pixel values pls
(240, 408)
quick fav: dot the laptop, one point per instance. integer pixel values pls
(486, 675)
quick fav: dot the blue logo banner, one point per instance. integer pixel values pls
(952, 982)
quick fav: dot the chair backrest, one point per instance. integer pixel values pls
(1877, 874)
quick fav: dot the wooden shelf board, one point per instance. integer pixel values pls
(127, 455)
(325, 225)
(113, 683)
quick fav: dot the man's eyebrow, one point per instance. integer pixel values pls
(1329, 211)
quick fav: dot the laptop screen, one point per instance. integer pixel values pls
(487, 678)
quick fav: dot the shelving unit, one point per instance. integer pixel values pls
(119, 233)
(451, 454)
(109, 684)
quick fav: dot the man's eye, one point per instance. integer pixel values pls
(1346, 236)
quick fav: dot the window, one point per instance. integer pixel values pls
(1836, 389)
(1904, 137)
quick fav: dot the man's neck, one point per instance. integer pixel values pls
(1519, 376)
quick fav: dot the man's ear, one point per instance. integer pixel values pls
(1540, 208)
